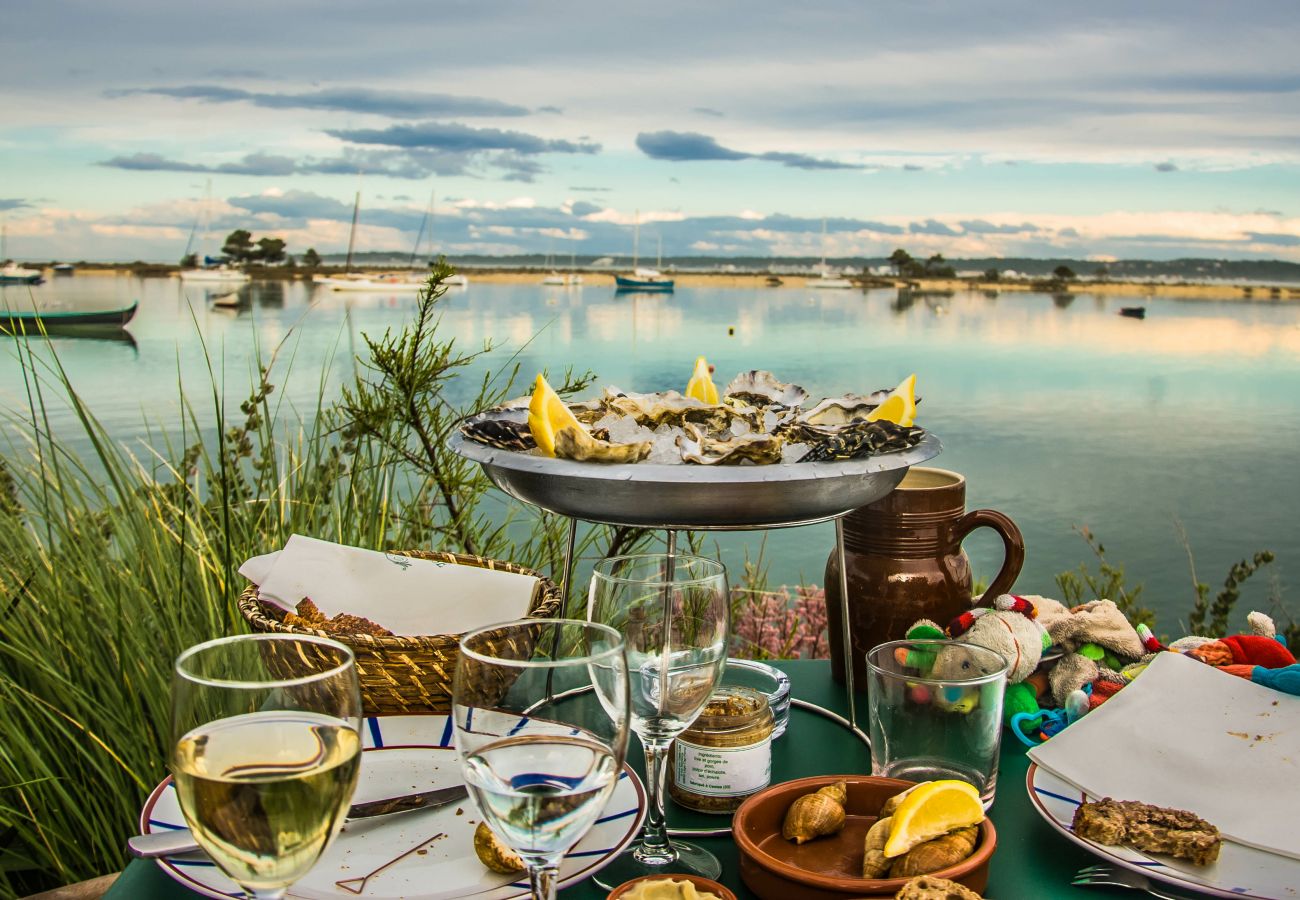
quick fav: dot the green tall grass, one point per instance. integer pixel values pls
(114, 561)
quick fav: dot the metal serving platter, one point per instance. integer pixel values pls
(692, 496)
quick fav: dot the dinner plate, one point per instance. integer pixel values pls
(1240, 871)
(403, 754)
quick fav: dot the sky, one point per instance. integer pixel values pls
(1156, 130)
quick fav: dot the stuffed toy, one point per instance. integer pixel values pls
(1096, 639)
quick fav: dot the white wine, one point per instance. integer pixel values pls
(265, 793)
(540, 793)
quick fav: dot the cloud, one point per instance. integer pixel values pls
(582, 208)
(691, 146)
(932, 226)
(453, 136)
(708, 111)
(1166, 167)
(394, 104)
(590, 190)
(1276, 240)
(979, 226)
(550, 109)
(13, 203)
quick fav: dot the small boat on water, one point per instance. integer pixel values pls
(827, 281)
(34, 321)
(375, 284)
(554, 278)
(16, 274)
(214, 274)
(773, 281)
(456, 281)
(230, 300)
(644, 280)
(1133, 312)
(63, 270)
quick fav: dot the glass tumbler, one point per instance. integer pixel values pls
(936, 712)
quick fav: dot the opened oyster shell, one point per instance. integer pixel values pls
(506, 434)
(576, 444)
(653, 410)
(863, 439)
(696, 446)
(763, 388)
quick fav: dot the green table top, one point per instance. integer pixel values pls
(1031, 860)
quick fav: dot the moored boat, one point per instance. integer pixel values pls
(213, 274)
(1133, 312)
(16, 274)
(34, 321)
(644, 280)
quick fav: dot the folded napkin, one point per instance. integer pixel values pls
(405, 595)
(1187, 736)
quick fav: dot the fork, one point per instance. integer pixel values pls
(1097, 876)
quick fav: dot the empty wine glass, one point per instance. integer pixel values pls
(541, 716)
(266, 752)
(673, 611)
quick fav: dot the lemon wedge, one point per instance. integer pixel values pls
(900, 406)
(547, 414)
(701, 385)
(932, 810)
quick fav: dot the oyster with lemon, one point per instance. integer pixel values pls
(757, 419)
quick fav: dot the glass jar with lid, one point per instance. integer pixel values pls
(726, 754)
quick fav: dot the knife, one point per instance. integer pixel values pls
(173, 842)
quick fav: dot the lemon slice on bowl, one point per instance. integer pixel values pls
(701, 385)
(547, 414)
(900, 406)
(932, 810)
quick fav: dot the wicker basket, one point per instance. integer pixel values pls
(404, 675)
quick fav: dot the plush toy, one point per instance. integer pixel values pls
(1095, 638)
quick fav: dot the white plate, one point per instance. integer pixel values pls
(1240, 871)
(404, 754)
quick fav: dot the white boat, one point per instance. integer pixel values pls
(229, 300)
(387, 284)
(827, 281)
(456, 281)
(642, 279)
(554, 278)
(16, 274)
(214, 274)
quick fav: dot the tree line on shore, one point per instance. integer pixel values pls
(240, 249)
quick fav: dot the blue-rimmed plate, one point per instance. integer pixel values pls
(1240, 871)
(404, 754)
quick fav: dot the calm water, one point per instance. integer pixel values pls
(1060, 412)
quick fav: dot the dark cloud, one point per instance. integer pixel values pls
(395, 104)
(979, 226)
(691, 146)
(591, 190)
(13, 203)
(913, 167)
(1166, 167)
(932, 226)
(708, 111)
(1067, 233)
(582, 208)
(452, 136)
(550, 109)
(1277, 240)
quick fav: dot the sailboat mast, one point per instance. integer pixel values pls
(636, 238)
(352, 235)
(419, 237)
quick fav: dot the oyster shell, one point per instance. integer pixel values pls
(506, 434)
(836, 411)
(762, 388)
(696, 446)
(864, 439)
(577, 444)
(652, 410)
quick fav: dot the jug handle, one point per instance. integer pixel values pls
(1013, 543)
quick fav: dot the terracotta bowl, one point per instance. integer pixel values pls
(828, 868)
(701, 884)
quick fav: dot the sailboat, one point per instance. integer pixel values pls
(827, 281)
(209, 274)
(12, 273)
(575, 279)
(642, 279)
(553, 277)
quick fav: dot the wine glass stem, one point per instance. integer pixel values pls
(276, 894)
(654, 845)
(543, 880)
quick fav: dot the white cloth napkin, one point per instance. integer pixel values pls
(1185, 736)
(405, 595)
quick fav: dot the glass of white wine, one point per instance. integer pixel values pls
(674, 612)
(541, 717)
(266, 752)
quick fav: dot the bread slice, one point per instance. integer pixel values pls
(1152, 829)
(927, 887)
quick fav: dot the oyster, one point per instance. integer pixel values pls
(506, 434)
(668, 408)
(834, 411)
(574, 443)
(762, 388)
(857, 441)
(696, 446)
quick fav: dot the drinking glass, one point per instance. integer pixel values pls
(674, 612)
(266, 752)
(540, 709)
(936, 712)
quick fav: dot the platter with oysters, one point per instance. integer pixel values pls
(758, 452)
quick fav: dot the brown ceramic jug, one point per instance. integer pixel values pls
(905, 562)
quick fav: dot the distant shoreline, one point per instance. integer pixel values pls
(1137, 289)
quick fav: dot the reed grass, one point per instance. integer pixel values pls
(113, 561)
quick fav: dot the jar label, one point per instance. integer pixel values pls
(723, 771)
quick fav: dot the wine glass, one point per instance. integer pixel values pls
(266, 752)
(541, 716)
(673, 611)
